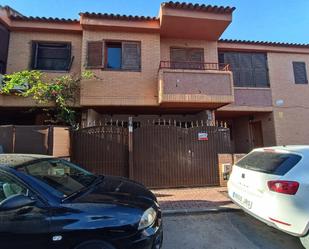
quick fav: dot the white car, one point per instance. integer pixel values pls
(272, 184)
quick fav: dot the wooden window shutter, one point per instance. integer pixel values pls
(131, 56)
(300, 73)
(178, 54)
(196, 55)
(95, 54)
(178, 57)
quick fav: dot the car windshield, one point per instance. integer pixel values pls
(269, 162)
(60, 177)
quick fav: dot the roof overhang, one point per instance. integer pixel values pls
(42, 26)
(261, 46)
(4, 17)
(119, 23)
(194, 23)
(16, 22)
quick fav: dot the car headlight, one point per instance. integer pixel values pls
(147, 219)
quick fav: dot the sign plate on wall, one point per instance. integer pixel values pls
(202, 136)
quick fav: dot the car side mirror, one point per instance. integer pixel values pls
(15, 202)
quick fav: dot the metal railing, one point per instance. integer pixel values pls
(191, 65)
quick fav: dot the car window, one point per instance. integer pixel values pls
(269, 162)
(9, 186)
(60, 177)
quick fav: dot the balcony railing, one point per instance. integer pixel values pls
(191, 65)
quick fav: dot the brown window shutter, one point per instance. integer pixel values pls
(196, 55)
(178, 55)
(178, 58)
(131, 55)
(95, 54)
(196, 58)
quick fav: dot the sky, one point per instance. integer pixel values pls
(260, 20)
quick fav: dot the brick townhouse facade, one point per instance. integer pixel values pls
(173, 65)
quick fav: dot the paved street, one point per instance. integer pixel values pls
(234, 230)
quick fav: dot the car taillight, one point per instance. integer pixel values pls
(283, 187)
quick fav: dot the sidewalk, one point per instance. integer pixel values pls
(194, 200)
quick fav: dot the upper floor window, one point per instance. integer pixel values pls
(187, 58)
(300, 73)
(249, 69)
(54, 56)
(114, 55)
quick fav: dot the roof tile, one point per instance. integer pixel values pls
(267, 43)
(199, 7)
(43, 19)
(117, 16)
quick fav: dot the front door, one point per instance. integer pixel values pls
(25, 227)
(256, 134)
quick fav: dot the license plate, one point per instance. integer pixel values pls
(243, 201)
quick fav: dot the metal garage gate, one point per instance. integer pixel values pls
(158, 153)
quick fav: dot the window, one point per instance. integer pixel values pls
(113, 55)
(51, 56)
(9, 187)
(249, 69)
(300, 73)
(117, 55)
(187, 58)
(59, 177)
(269, 162)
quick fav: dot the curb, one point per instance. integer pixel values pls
(171, 212)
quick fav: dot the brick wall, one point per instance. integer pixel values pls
(19, 56)
(123, 87)
(291, 118)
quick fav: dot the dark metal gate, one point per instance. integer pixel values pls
(101, 149)
(158, 153)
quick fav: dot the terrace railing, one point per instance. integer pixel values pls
(191, 65)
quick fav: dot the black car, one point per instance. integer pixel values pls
(47, 202)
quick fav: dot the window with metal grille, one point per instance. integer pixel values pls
(53, 56)
(249, 69)
(300, 73)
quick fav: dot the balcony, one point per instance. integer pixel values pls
(202, 22)
(207, 85)
(251, 99)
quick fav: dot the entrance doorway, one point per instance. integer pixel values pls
(256, 134)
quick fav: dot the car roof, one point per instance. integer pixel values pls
(303, 149)
(13, 160)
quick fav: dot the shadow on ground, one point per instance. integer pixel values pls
(193, 204)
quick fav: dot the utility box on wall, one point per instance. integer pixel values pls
(225, 164)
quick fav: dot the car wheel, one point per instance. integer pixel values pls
(305, 241)
(94, 244)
